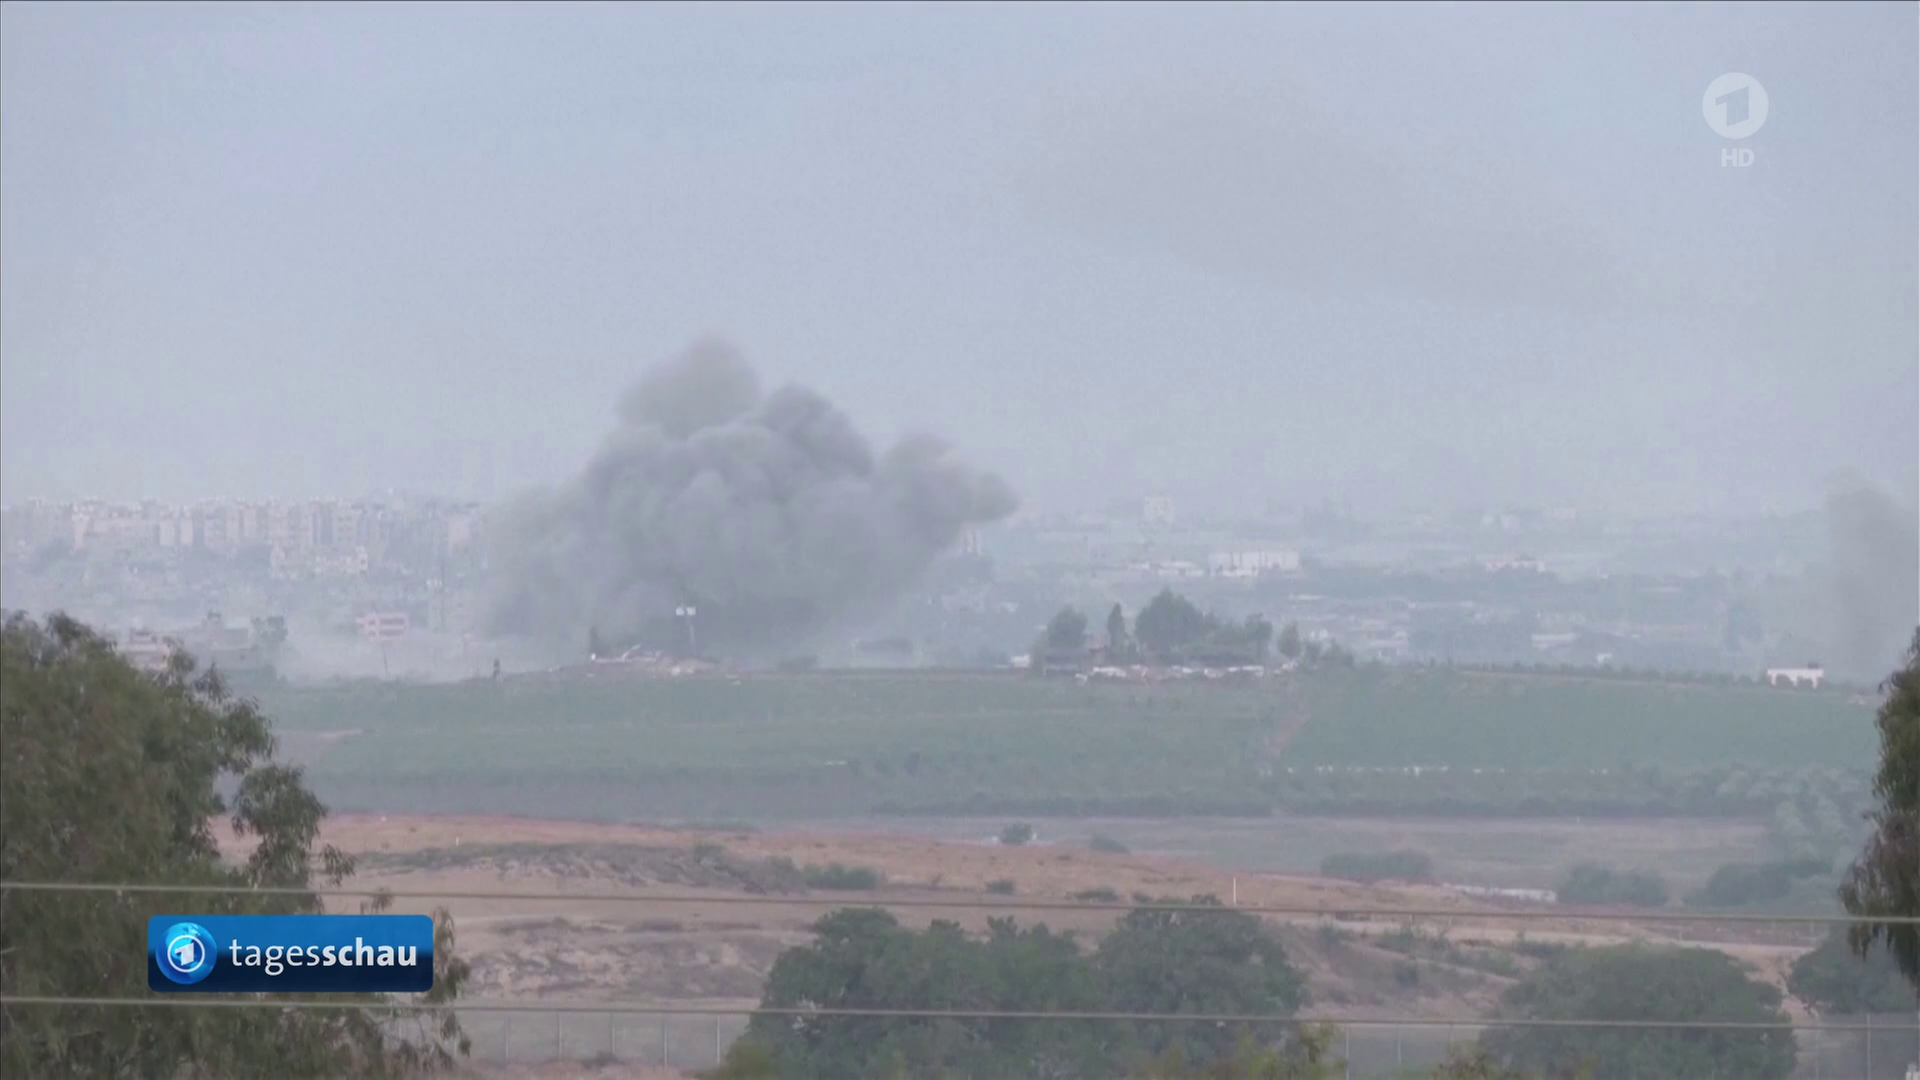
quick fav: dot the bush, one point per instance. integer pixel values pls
(838, 876)
(1103, 842)
(1016, 834)
(1833, 980)
(708, 851)
(1001, 887)
(1369, 867)
(1591, 883)
(1624, 984)
(1742, 884)
(1101, 895)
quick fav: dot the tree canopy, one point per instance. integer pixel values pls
(1119, 641)
(113, 775)
(1171, 628)
(1833, 979)
(1885, 879)
(1067, 629)
(1632, 982)
(1154, 961)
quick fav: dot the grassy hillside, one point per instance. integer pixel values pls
(837, 743)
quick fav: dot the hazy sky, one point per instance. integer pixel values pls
(1422, 254)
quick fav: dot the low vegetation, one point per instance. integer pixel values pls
(924, 742)
(1833, 980)
(1016, 834)
(846, 878)
(1591, 883)
(1152, 962)
(1634, 983)
(1108, 845)
(1743, 885)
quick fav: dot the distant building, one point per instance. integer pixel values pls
(1810, 676)
(1523, 563)
(233, 649)
(383, 625)
(1252, 563)
(1157, 510)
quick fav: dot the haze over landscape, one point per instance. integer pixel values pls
(1380, 523)
(1475, 255)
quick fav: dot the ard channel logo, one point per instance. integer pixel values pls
(290, 954)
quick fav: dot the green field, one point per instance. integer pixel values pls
(1519, 721)
(924, 742)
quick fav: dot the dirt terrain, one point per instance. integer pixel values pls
(679, 913)
(658, 915)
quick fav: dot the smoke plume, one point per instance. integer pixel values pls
(766, 512)
(1876, 580)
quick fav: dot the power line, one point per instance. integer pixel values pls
(670, 1009)
(1338, 912)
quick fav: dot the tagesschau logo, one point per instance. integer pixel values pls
(305, 954)
(188, 956)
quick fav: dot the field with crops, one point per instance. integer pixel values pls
(827, 743)
(1518, 721)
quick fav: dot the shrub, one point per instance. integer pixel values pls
(1016, 834)
(1001, 887)
(1103, 842)
(1369, 867)
(1624, 984)
(1591, 883)
(1741, 884)
(1101, 895)
(708, 851)
(1330, 935)
(838, 876)
(1834, 980)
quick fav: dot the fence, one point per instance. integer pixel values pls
(1372, 1053)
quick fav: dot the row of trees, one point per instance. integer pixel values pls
(1155, 961)
(1171, 629)
(1211, 963)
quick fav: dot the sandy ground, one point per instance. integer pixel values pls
(640, 915)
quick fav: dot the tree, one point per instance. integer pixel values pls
(114, 775)
(1833, 980)
(1183, 961)
(1168, 624)
(1155, 961)
(1885, 879)
(1290, 641)
(1067, 630)
(1634, 983)
(1592, 883)
(1119, 643)
(864, 958)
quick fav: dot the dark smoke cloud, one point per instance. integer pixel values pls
(768, 512)
(1876, 580)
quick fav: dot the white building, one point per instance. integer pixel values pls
(383, 625)
(1810, 676)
